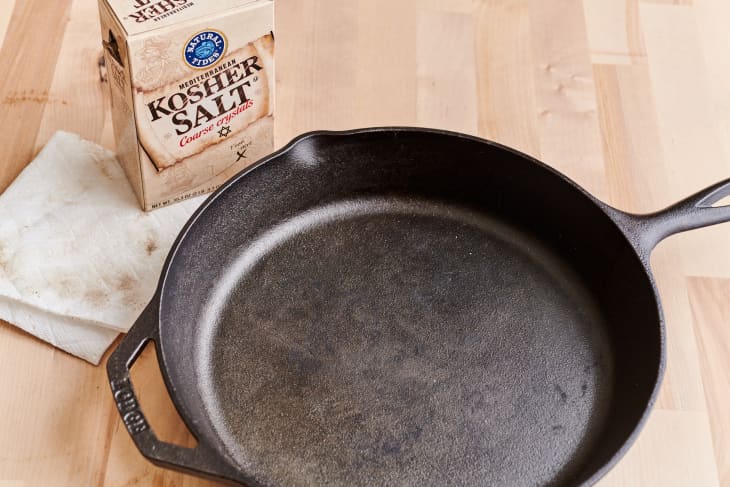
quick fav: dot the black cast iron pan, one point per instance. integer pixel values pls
(404, 307)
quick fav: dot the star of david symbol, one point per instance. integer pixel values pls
(224, 131)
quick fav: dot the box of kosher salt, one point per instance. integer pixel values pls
(192, 91)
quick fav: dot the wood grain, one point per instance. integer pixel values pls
(630, 98)
(710, 300)
(25, 94)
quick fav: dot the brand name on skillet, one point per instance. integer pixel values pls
(128, 406)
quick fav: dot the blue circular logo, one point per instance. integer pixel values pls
(205, 49)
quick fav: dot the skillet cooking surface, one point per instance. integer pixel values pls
(396, 340)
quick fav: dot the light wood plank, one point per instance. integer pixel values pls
(710, 300)
(75, 101)
(506, 85)
(445, 66)
(635, 170)
(606, 25)
(54, 414)
(25, 94)
(568, 127)
(315, 69)
(675, 450)
(690, 134)
(711, 19)
(387, 87)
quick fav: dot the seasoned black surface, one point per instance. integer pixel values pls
(404, 307)
(401, 342)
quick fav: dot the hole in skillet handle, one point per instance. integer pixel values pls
(717, 196)
(200, 460)
(725, 201)
(151, 393)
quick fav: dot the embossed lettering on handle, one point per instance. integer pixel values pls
(128, 406)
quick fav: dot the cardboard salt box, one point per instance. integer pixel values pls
(192, 91)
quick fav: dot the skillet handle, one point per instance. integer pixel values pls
(696, 211)
(199, 460)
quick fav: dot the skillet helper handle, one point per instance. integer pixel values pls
(689, 214)
(200, 459)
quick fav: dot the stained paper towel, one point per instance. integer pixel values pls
(78, 259)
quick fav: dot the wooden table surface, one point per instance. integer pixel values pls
(629, 98)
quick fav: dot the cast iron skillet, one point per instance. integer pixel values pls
(401, 307)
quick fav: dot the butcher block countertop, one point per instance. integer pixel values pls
(629, 98)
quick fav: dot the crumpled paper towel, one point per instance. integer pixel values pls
(79, 260)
